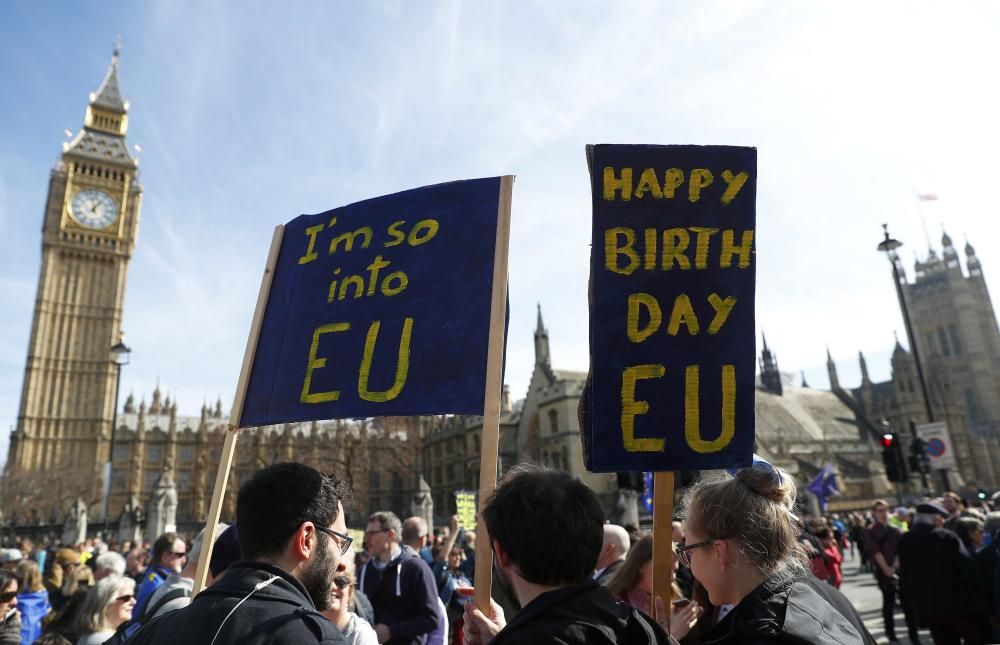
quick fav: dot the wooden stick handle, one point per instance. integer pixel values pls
(490, 443)
(663, 552)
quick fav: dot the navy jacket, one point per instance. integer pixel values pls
(404, 596)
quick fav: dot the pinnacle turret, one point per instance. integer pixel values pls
(542, 356)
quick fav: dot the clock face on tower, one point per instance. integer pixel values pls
(94, 209)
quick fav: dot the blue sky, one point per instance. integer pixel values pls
(250, 113)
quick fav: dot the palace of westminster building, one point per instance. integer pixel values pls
(64, 426)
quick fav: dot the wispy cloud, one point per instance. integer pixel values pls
(250, 117)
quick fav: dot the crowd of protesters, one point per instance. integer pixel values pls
(54, 594)
(748, 568)
(936, 559)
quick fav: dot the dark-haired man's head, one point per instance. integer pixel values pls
(545, 526)
(382, 535)
(170, 552)
(281, 515)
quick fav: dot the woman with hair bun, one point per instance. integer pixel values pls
(742, 547)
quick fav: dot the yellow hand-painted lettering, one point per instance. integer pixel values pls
(632, 408)
(636, 302)
(625, 252)
(692, 423)
(319, 363)
(310, 253)
(618, 184)
(612, 250)
(402, 364)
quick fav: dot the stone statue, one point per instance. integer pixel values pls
(75, 526)
(162, 514)
(129, 522)
(627, 507)
(423, 503)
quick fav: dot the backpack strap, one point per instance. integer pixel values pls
(170, 596)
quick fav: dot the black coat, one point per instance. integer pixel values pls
(937, 575)
(839, 601)
(986, 561)
(783, 612)
(281, 613)
(585, 613)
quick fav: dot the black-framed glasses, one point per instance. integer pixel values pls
(341, 582)
(127, 597)
(683, 552)
(7, 596)
(345, 540)
(374, 533)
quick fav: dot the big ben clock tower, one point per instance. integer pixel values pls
(88, 233)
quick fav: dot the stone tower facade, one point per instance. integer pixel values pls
(956, 332)
(955, 329)
(88, 233)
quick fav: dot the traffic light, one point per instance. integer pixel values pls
(918, 456)
(892, 457)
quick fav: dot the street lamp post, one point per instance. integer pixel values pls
(889, 245)
(120, 354)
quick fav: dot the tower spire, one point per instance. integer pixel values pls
(831, 369)
(108, 96)
(864, 369)
(770, 377)
(542, 356)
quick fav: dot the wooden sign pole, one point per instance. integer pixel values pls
(663, 552)
(229, 446)
(490, 444)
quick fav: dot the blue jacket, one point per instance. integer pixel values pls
(404, 596)
(34, 606)
(152, 578)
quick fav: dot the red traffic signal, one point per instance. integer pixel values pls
(886, 440)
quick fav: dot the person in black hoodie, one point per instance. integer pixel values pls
(292, 534)
(398, 583)
(742, 546)
(546, 531)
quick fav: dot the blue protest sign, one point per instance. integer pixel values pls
(671, 308)
(380, 308)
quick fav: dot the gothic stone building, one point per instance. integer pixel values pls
(958, 341)
(377, 456)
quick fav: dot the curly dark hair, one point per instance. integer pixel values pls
(273, 504)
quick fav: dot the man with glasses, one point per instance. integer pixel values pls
(398, 583)
(292, 532)
(169, 555)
